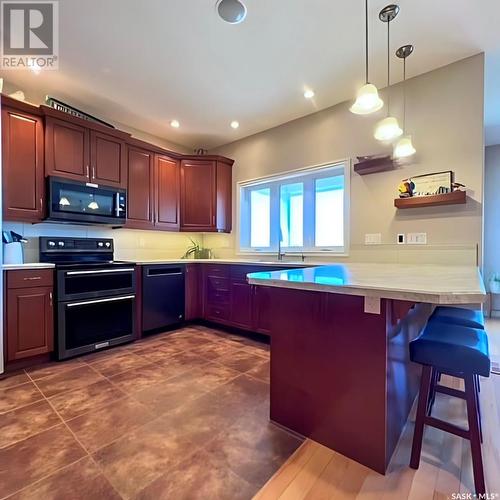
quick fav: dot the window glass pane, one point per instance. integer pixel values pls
(329, 213)
(292, 214)
(260, 217)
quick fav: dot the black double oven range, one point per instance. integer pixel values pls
(96, 296)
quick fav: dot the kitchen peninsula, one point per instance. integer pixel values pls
(340, 368)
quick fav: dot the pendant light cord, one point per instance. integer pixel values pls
(388, 68)
(404, 95)
(366, 40)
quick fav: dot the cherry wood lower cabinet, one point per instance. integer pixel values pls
(23, 172)
(228, 299)
(193, 300)
(29, 313)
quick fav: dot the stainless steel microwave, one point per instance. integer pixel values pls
(85, 202)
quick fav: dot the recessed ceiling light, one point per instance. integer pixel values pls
(231, 11)
(235, 124)
(309, 94)
(175, 124)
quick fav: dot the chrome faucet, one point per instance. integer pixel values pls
(280, 254)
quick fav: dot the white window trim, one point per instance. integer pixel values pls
(290, 174)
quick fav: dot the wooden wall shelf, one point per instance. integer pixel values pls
(371, 165)
(453, 198)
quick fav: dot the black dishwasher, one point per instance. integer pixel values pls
(162, 296)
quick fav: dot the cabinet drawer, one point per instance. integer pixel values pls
(30, 278)
(218, 297)
(214, 283)
(217, 270)
(217, 312)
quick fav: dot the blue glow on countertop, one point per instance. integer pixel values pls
(334, 275)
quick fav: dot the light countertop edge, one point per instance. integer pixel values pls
(27, 266)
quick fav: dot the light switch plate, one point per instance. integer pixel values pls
(416, 238)
(372, 305)
(373, 238)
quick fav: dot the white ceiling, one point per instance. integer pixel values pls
(146, 63)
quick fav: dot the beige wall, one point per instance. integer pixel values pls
(38, 97)
(445, 116)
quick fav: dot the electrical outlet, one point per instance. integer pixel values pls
(416, 238)
(373, 238)
(401, 240)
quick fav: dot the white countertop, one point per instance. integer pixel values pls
(275, 263)
(420, 283)
(28, 265)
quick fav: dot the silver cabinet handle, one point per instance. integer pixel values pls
(50, 298)
(41, 203)
(100, 301)
(32, 278)
(93, 172)
(101, 271)
(87, 169)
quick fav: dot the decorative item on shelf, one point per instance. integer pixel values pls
(431, 184)
(388, 129)
(197, 252)
(406, 188)
(18, 94)
(367, 98)
(66, 108)
(373, 163)
(404, 147)
(200, 151)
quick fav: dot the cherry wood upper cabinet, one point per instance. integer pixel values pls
(107, 159)
(23, 171)
(205, 195)
(67, 149)
(140, 173)
(167, 187)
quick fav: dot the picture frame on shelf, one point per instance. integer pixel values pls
(432, 184)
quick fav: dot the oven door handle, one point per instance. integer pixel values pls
(101, 271)
(99, 301)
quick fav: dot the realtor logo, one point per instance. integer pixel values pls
(29, 35)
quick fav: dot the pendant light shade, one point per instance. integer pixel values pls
(367, 98)
(404, 147)
(388, 129)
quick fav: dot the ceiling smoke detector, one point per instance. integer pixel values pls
(231, 11)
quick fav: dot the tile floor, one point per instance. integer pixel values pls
(178, 415)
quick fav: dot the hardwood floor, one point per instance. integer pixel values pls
(314, 472)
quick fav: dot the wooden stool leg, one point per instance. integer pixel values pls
(432, 393)
(477, 384)
(475, 438)
(418, 433)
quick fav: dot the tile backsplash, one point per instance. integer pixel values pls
(130, 244)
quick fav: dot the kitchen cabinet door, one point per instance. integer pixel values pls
(140, 164)
(193, 292)
(198, 195)
(107, 160)
(23, 171)
(67, 149)
(241, 305)
(262, 312)
(30, 322)
(167, 186)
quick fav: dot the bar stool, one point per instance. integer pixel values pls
(460, 352)
(457, 316)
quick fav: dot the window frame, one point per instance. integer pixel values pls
(274, 182)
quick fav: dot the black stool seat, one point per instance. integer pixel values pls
(452, 348)
(459, 316)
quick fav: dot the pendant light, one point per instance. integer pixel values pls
(367, 98)
(388, 129)
(404, 146)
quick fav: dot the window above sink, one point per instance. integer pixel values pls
(301, 211)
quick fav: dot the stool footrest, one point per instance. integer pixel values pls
(447, 427)
(450, 391)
